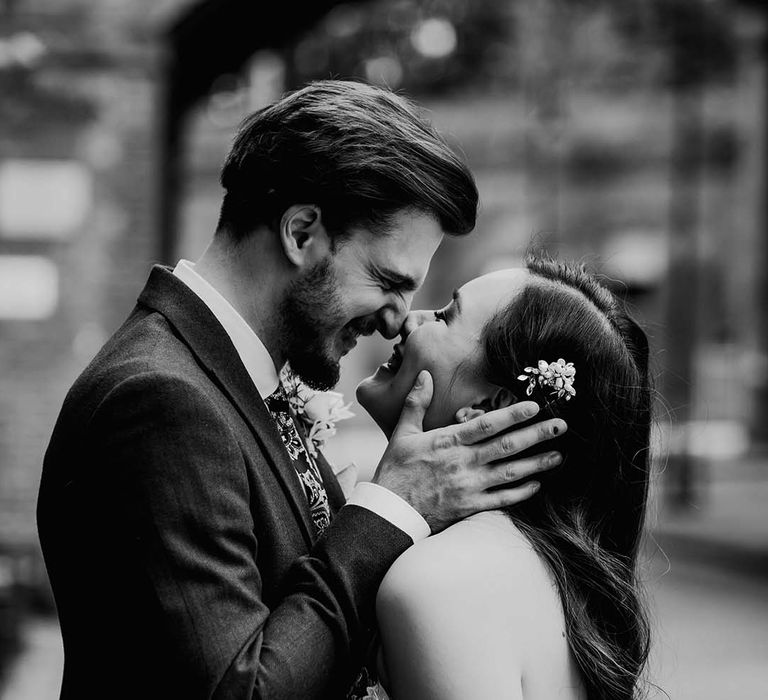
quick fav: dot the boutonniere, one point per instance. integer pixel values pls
(319, 411)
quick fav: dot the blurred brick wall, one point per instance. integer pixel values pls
(92, 99)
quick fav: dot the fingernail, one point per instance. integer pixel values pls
(531, 409)
(558, 428)
(535, 486)
(421, 378)
(554, 459)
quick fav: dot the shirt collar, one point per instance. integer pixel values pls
(252, 352)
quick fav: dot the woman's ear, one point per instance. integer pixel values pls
(467, 413)
(497, 397)
(303, 236)
(502, 397)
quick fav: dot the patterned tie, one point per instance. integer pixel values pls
(303, 462)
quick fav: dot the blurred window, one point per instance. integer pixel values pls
(29, 287)
(43, 199)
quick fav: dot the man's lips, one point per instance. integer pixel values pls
(362, 326)
(352, 331)
(349, 340)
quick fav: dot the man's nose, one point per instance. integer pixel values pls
(390, 320)
(392, 316)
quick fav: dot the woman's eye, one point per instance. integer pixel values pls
(440, 316)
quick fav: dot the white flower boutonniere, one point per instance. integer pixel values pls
(318, 410)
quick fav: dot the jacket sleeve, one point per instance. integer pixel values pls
(179, 478)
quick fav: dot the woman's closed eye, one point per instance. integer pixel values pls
(449, 312)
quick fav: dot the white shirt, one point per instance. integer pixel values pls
(262, 371)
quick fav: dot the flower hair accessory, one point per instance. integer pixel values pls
(318, 410)
(559, 376)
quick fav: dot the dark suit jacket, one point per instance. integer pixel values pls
(177, 536)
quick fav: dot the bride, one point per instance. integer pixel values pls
(541, 601)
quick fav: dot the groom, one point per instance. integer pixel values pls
(195, 548)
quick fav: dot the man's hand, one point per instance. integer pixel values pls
(446, 474)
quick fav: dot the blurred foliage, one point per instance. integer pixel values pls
(36, 48)
(696, 37)
(684, 42)
(423, 46)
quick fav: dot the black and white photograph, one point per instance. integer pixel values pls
(383, 350)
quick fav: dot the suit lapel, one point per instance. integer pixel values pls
(204, 335)
(336, 498)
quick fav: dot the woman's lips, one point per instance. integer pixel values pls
(395, 361)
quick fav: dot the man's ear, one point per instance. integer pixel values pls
(496, 397)
(303, 236)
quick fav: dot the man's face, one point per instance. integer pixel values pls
(367, 284)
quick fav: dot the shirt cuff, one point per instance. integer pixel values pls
(391, 507)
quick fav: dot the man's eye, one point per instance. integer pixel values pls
(440, 316)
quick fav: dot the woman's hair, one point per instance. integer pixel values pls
(360, 153)
(587, 519)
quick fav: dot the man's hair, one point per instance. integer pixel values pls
(360, 153)
(587, 520)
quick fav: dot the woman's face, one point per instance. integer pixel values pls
(448, 344)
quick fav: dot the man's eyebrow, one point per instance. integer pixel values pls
(401, 282)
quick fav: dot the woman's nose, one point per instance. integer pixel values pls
(413, 320)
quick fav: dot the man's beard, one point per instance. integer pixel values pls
(309, 316)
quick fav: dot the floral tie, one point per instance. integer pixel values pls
(303, 462)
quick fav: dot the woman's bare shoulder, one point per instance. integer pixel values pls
(478, 608)
(485, 554)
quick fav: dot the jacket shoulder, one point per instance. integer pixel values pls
(144, 345)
